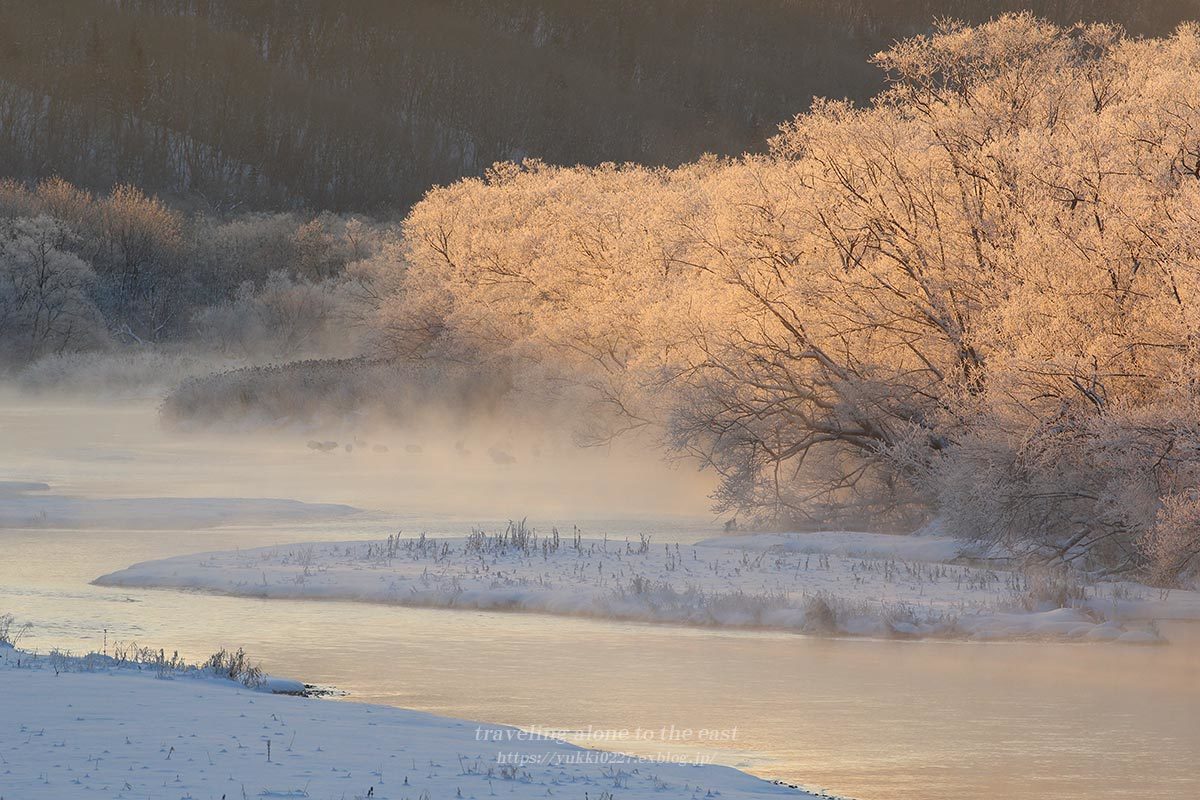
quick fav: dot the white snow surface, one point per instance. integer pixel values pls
(121, 733)
(768, 584)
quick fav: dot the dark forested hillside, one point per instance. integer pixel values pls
(366, 103)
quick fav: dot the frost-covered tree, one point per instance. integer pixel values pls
(974, 297)
(44, 293)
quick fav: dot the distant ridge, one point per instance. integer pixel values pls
(364, 104)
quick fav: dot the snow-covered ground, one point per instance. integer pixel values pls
(841, 583)
(848, 543)
(72, 729)
(25, 504)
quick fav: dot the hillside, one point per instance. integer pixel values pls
(364, 104)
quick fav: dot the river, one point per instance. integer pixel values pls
(874, 720)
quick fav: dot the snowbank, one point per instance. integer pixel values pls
(711, 585)
(119, 733)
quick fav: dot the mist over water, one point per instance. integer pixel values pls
(864, 719)
(438, 468)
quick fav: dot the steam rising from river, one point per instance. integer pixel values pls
(441, 466)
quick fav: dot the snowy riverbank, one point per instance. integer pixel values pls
(831, 583)
(85, 728)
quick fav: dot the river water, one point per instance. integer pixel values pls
(874, 720)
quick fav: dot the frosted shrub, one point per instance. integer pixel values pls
(236, 667)
(249, 248)
(1048, 589)
(819, 615)
(10, 635)
(1173, 543)
(1104, 493)
(282, 319)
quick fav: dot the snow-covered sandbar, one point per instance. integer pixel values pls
(849, 583)
(79, 729)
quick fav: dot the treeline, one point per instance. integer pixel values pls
(975, 297)
(82, 272)
(363, 105)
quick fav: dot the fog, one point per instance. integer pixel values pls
(442, 467)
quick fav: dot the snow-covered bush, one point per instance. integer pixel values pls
(11, 633)
(1173, 542)
(251, 247)
(236, 666)
(1050, 588)
(282, 319)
